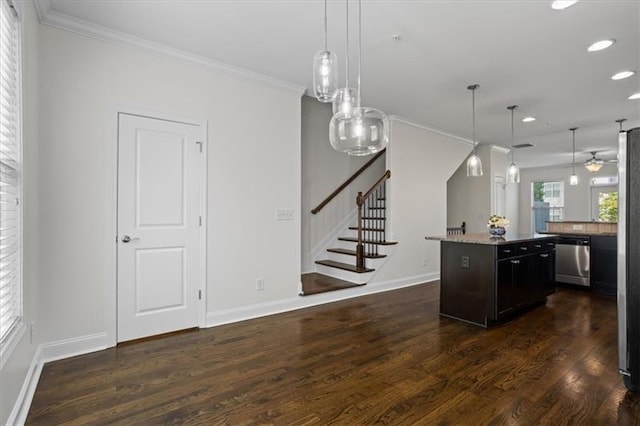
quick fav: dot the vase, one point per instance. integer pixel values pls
(497, 230)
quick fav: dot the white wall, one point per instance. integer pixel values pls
(254, 169)
(469, 198)
(420, 161)
(323, 170)
(14, 371)
(577, 199)
(472, 199)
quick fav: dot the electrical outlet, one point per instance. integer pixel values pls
(260, 284)
(465, 262)
(284, 214)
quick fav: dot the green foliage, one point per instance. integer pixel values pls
(538, 191)
(608, 210)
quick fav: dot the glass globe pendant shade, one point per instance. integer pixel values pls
(345, 100)
(325, 75)
(474, 166)
(513, 174)
(573, 180)
(364, 131)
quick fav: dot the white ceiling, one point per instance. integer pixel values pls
(519, 52)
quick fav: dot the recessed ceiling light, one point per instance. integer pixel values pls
(528, 119)
(562, 4)
(622, 74)
(600, 45)
(635, 96)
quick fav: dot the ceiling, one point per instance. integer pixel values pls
(519, 52)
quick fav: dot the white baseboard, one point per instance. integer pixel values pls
(73, 347)
(21, 408)
(51, 352)
(270, 308)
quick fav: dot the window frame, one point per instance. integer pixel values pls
(14, 334)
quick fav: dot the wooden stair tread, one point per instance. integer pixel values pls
(315, 283)
(353, 253)
(355, 240)
(373, 218)
(355, 228)
(376, 208)
(344, 266)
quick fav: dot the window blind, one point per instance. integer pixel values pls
(10, 171)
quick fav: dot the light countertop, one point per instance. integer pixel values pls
(486, 238)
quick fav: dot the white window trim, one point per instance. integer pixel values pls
(9, 342)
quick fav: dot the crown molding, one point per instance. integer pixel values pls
(52, 18)
(430, 129)
(43, 8)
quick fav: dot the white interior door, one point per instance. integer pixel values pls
(159, 178)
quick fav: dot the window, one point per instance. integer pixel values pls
(10, 172)
(604, 198)
(547, 204)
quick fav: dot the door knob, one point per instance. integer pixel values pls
(126, 239)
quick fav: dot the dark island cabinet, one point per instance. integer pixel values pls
(525, 278)
(483, 283)
(604, 258)
(512, 285)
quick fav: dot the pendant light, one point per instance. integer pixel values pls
(362, 130)
(325, 69)
(345, 98)
(474, 164)
(513, 173)
(573, 180)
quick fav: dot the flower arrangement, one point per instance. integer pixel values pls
(496, 221)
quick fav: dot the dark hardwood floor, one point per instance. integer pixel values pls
(381, 359)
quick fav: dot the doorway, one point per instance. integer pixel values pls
(604, 203)
(499, 198)
(159, 218)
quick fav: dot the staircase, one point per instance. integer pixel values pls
(363, 247)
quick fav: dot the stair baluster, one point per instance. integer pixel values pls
(371, 217)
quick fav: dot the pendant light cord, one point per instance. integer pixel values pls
(513, 139)
(325, 25)
(359, 48)
(473, 119)
(347, 38)
(573, 164)
(574, 150)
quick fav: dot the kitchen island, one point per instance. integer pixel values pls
(484, 279)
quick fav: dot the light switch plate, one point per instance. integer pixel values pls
(284, 214)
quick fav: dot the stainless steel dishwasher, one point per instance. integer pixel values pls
(572, 260)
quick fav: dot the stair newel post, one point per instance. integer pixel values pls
(359, 246)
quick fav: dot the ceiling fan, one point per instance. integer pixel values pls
(594, 163)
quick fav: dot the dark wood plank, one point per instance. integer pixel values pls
(387, 358)
(353, 253)
(344, 266)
